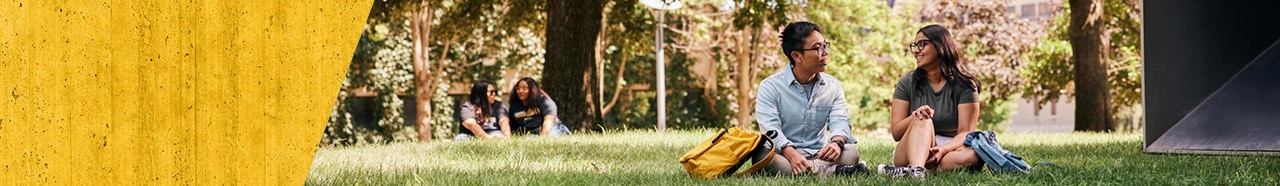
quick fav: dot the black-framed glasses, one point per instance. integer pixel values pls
(494, 92)
(826, 46)
(918, 45)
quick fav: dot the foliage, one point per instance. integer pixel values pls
(618, 158)
(487, 38)
(628, 60)
(380, 65)
(341, 126)
(868, 53)
(761, 13)
(698, 33)
(736, 39)
(994, 41)
(1124, 22)
(1049, 68)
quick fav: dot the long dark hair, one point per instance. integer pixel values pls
(480, 98)
(949, 56)
(535, 93)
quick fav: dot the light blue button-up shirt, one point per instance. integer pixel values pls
(802, 120)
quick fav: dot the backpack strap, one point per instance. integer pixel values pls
(767, 138)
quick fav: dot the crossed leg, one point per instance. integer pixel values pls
(913, 149)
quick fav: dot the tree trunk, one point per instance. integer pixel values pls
(569, 74)
(742, 76)
(1089, 50)
(420, 24)
(601, 106)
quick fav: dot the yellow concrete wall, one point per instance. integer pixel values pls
(176, 92)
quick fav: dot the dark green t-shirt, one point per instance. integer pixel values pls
(944, 103)
(530, 117)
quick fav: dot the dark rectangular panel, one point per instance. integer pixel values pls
(1241, 116)
(1192, 47)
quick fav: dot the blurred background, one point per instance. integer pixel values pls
(1040, 73)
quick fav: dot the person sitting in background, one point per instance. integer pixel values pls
(533, 111)
(482, 115)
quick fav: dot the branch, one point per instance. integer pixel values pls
(617, 88)
(713, 43)
(435, 73)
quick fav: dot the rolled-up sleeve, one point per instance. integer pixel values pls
(767, 114)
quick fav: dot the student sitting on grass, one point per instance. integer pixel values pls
(533, 111)
(801, 103)
(942, 98)
(482, 115)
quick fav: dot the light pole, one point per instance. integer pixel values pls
(662, 6)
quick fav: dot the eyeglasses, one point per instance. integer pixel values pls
(493, 92)
(823, 48)
(918, 45)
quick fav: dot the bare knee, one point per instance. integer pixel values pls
(922, 124)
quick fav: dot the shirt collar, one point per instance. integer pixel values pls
(791, 76)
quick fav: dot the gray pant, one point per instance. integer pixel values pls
(559, 129)
(780, 165)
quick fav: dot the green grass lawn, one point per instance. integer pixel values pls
(650, 158)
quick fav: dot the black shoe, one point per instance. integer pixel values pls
(859, 168)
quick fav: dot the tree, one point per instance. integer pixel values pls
(701, 35)
(420, 24)
(625, 33)
(1051, 70)
(408, 50)
(1089, 46)
(477, 40)
(571, 34)
(754, 25)
(476, 32)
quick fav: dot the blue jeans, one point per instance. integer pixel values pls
(559, 129)
(466, 137)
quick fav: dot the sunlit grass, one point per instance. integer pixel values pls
(650, 158)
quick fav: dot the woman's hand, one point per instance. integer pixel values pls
(937, 154)
(924, 112)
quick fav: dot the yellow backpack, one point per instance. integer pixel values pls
(722, 154)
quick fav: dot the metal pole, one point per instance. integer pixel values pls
(662, 85)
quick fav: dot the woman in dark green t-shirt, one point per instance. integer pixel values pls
(532, 111)
(932, 104)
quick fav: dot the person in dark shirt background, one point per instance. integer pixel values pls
(533, 111)
(482, 115)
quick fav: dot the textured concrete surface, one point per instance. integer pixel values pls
(177, 92)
